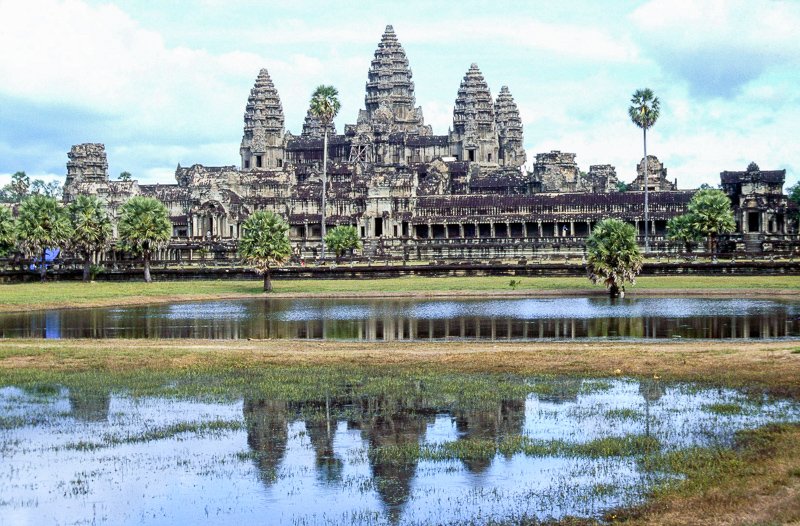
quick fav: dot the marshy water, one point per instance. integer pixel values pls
(421, 319)
(321, 446)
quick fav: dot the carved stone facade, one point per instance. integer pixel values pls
(656, 177)
(410, 193)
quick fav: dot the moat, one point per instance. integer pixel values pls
(422, 319)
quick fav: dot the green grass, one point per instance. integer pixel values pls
(724, 409)
(75, 294)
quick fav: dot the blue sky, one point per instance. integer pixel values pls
(162, 83)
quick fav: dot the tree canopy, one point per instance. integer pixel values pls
(17, 189)
(645, 108)
(143, 226)
(325, 104)
(265, 243)
(711, 215)
(342, 239)
(682, 229)
(42, 223)
(8, 234)
(91, 228)
(613, 255)
(794, 196)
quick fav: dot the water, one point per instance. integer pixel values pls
(85, 454)
(415, 319)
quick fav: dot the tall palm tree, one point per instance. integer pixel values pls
(91, 228)
(42, 224)
(324, 106)
(644, 112)
(143, 225)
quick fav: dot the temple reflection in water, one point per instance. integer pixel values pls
(387, 320)
(382, 423)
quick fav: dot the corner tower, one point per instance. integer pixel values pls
(474, 136)
(262, 143)
(509, 128)
(390, 100)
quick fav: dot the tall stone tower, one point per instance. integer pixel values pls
(87, 168)
(390, 100)
(262, 143)
(509, 128)
(474, 136)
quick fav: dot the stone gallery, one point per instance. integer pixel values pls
(414, 195)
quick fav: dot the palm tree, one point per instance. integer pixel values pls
(343, 238)
(324, 106)
(712, 215)
(265, 243)
(644, 112)
(42, 224)
(91, 228)
(682, 229)
(143, 226)
(8, 234)
(613, 255)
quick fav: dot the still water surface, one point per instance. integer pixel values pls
(77, 456)
(419, 319)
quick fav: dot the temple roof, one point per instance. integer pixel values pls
(766, 176)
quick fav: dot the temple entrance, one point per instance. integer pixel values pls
(378, 227)
(752, 221)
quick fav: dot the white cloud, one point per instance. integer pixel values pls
(718, 46)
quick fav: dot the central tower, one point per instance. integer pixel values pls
(390, 101)
(262, 142)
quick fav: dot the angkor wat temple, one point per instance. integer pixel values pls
(419, 196)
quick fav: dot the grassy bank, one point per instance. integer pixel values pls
(764, 366)
(75, 294)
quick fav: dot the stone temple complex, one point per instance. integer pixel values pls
(414, 195)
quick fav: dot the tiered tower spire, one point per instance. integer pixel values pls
(312, 127)
(263, 126)
(509, 128)
(473, 119)
(389, 100)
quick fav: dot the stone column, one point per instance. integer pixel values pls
(461, 230)
(763, 226)
(508, 229)
(572, 228)
(491, 230)
(540, 228)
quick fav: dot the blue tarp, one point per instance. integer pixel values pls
(50, 255)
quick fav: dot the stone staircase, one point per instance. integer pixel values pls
(752, 243)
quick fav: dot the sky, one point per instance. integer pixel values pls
(163, 83)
